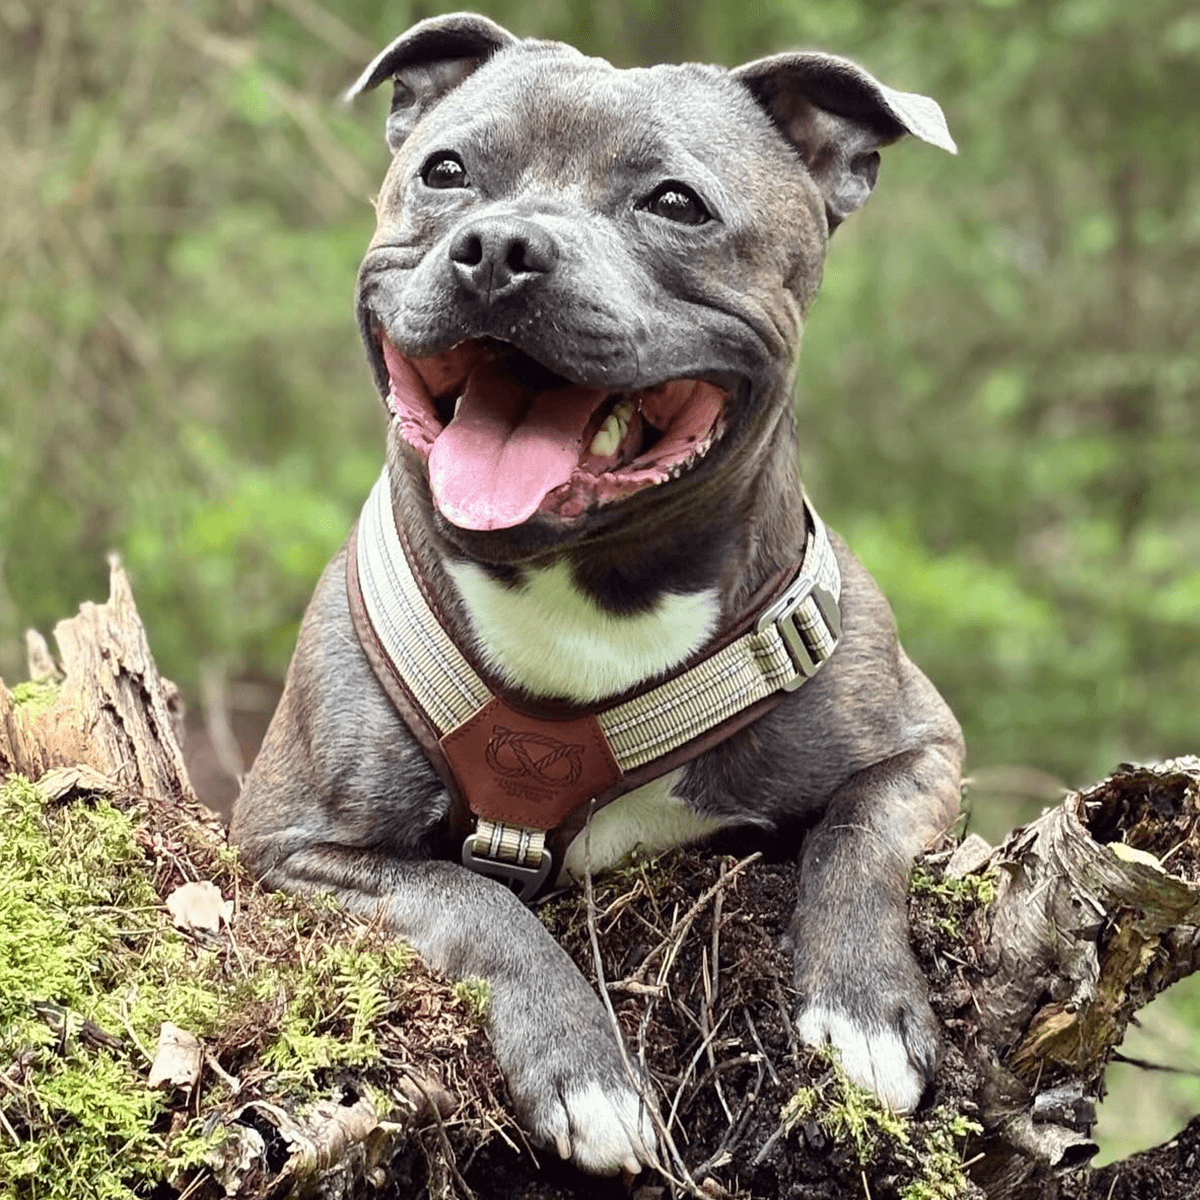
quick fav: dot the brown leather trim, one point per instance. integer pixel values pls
(525, 770)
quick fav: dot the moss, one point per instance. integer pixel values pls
(90, 967)
(476, 994)
(940, 1157)
(925, 1156)
(69, 889)
(34, 698)
(945, 903)
(846, 1112)
(331, 1008)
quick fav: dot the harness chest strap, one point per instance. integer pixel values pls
(527, 775)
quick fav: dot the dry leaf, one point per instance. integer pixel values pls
(198, 906)
(178, 1059)
(65, 781)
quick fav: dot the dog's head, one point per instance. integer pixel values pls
(587, 284)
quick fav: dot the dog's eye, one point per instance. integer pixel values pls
(444, 170)
(677, 202)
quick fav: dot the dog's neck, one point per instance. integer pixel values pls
(546, 637)
(574, 627)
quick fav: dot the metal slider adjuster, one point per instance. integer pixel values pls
(514, 854)
(809, 623)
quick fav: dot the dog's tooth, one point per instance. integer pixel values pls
(609, 435)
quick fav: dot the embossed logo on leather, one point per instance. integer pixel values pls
(515, 753)
(512, 766)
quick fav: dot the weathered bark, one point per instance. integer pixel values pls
(113, 711)
(1096, 910)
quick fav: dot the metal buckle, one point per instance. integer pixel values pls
(525, 881)
(806, 658)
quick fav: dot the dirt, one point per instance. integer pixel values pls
(1168, 1172)
(721, 983)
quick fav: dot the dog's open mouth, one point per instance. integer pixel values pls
(505, 438)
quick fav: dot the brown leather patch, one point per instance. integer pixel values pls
(527, 770)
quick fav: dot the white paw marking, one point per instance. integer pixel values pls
(873, 1056)
(649, 819)
(549, 638)
(603, 1132)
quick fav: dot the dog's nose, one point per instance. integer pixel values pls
(495, 257)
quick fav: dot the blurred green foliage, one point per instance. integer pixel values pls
(998, 394)
(1000, 390)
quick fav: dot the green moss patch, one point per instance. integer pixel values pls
(924, 1159)
(285, 1001)
(33, 697)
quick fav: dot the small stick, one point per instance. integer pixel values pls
(638, 1084)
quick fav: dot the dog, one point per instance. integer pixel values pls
(582, 307)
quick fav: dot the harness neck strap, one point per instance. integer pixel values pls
(530, 777)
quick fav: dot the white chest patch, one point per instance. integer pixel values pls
(549, 638)
(649, 819)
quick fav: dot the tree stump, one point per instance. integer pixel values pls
(106, 707)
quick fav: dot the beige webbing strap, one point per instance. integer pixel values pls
(790, 641)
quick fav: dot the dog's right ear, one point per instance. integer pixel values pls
(428, 61)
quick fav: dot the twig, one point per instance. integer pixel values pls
(638, 1084)
(680, 928)
(761, 1049)
(705, 1022)
(1144, 1065)
(201, 1180)
(631, 987)
(700, 1051)
(768, 1145)
(716, 939)
(12, 1133)
(232, 1083)
(781, 1005)
(443, 1136)
(733, 1133)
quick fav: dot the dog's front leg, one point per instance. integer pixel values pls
(859, 984)
(551, 1035)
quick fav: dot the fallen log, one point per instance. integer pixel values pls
(277, 1048)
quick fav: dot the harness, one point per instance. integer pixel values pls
(523, 775)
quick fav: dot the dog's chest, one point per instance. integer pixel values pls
(650, 819)
(547, 637)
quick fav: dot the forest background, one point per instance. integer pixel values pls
(999, 393)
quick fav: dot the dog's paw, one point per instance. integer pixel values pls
(567, 1077)
(895, 1059)
(602, 1129)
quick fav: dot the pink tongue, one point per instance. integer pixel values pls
(507, 447)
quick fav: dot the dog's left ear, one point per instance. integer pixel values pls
(836, 115)
(428, 61)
